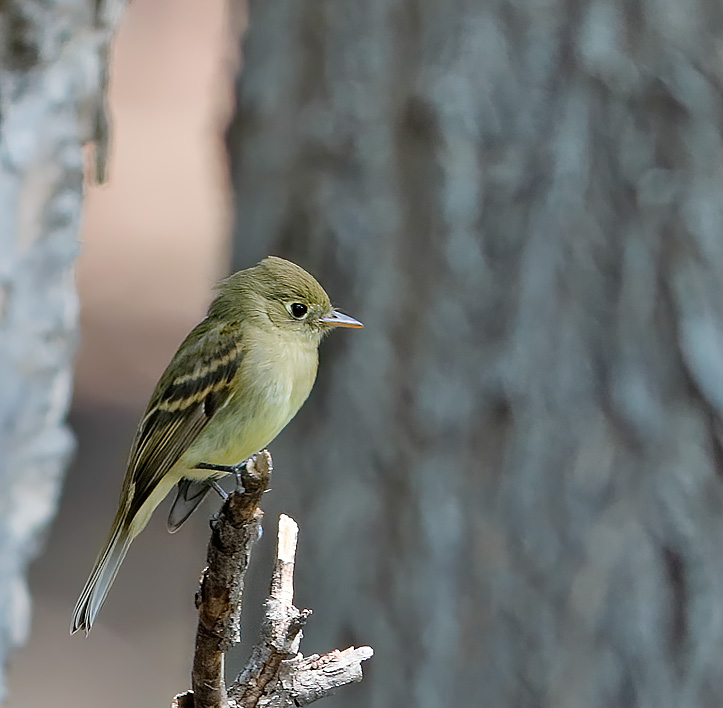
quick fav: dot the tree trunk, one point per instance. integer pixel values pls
(522, 202)
(52, 68)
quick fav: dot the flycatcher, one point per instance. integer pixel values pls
(236, 380)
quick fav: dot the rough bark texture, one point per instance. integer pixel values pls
(276, 675)
(219, 600)
(52, 55)
(522, 202)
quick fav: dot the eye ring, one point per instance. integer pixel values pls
(298, 310)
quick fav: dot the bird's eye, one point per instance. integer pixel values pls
(298, 310)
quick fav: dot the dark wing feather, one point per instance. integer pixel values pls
(195, 385)
(189, 495)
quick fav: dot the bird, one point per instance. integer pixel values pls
(233, 384)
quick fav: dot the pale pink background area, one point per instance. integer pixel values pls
(154, 242)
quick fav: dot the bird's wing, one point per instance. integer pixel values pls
(194, 387)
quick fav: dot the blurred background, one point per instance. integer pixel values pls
(155, 240)
(510, 483)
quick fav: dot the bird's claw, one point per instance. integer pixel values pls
(237, 471)
(219, 490)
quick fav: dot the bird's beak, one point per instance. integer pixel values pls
(339, 319)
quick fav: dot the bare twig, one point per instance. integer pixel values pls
(303, 680)
(281, 629)
(276, 675)
(234, 532)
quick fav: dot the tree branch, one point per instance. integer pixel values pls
(276, 675)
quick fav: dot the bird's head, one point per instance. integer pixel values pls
(279, 294)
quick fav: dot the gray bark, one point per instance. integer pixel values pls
(522, 202)
(276, 675)
(52, 57)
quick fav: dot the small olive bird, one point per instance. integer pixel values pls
(236, 380)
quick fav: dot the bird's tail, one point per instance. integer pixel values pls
(102, 576)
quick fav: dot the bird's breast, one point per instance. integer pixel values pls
(282, 372)
(273, 381)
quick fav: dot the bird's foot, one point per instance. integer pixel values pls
(237, 471)
(218, 489)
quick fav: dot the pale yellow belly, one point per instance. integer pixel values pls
(252, 419)
(235, 435)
